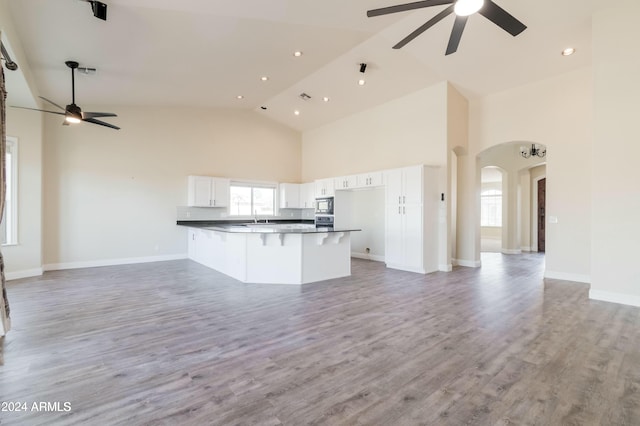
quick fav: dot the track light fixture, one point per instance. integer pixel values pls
(99, 9)
(534, 151)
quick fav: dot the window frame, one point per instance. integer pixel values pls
(10, 228)
(491, 194)
(253, 185)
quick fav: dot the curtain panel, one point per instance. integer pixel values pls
(4, 301)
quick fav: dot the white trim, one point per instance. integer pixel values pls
(406, 268)
(525, 249)
(112, 262)
(366, 256)
(567, 276)
(511, 251)
(467, 263)
(445, 268)
(26, 273)
(621, 298)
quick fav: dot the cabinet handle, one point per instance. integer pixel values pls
(399, 210)
(399, 199)
(214, 203)
(404, 199)
(404, 210)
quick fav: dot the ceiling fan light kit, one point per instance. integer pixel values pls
(73, 113)
(467, 7)
(462, 9)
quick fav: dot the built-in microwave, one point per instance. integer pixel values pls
(324, 205)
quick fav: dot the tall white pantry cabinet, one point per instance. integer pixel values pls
(411, 242)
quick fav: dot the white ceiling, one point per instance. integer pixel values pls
(204, 53)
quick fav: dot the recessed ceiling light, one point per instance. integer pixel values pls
(568, 51)
(264, 78)
(361, 82)
(326, 99)
(239, 97)
(296, 112)
(297, 53)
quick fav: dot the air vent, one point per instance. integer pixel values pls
(304, 96)
(87, 71)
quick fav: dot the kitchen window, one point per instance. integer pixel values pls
(491, 208)
(252, 199)
(9, 225)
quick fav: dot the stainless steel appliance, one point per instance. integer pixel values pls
(324, 205)
(324, 221)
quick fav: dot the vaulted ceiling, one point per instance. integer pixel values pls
(202, 53)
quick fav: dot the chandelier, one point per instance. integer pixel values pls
(535, 151)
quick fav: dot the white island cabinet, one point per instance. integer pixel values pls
(272, 255)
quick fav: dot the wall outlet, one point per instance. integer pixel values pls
(367, 250)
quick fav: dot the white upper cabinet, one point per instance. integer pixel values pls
(345, 182)
(290, 196)
(207, 191)
(366, 180)
(308, 195)
(324, 188)
(404, 186)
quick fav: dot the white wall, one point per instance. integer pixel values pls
(25, 258)
(556, 112)
(407, 131)
(111, 195)
(615, 198)
(365, 210)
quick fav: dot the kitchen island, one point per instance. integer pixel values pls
(272, 253)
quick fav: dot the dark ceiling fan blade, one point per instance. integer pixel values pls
(502, 18)
(97, 114)
(407, 6)
(101, 123)
(430, 23)
(456, 34)
(41, 110)
(51, 102)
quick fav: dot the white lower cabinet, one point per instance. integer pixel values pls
(411, 235)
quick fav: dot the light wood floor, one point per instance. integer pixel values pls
(178, 344)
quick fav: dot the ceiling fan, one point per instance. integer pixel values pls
(73, 113)
(463, 9)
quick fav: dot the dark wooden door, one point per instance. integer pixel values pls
(542, 189)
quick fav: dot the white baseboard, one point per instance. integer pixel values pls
(567, 276)
(27, 273)
(467, 263)
(112, 262)
(366, 256)
(445, 268)
(525, 248)
(511, 251)
(621, 298)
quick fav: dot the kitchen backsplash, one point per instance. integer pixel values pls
(208, 213)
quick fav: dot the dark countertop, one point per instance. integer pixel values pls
(275, 227)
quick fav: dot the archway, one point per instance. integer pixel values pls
(520, 171)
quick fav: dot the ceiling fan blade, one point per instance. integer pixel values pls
(51, 102)
(41, 110)
(101, 123)
(97, 114)
(502, 18)
(430, 23)
(456, 34)
(407, 6)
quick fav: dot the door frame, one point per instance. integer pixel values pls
(534, 212)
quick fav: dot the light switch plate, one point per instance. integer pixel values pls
(553, 219)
